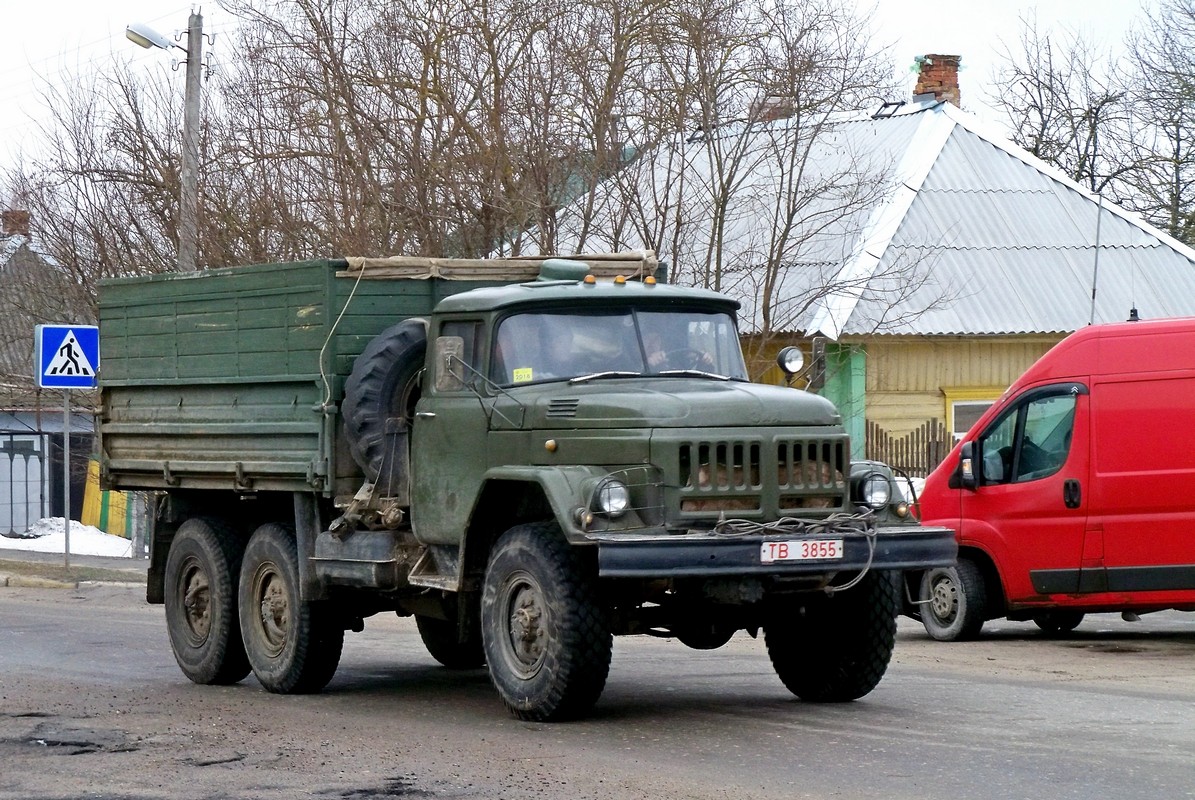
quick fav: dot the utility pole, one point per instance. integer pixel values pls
(188, 201)
(188, 230)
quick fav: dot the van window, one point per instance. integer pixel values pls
(1029, 441)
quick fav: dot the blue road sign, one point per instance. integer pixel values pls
(68, 356)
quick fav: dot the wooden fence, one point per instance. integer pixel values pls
(917, 452)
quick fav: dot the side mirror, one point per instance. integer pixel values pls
(449, 376)
(966, 466)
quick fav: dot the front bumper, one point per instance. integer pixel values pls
(712, 555)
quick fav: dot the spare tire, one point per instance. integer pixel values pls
(384, 384)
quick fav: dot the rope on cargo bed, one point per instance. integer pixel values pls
(862, 524)
(331, 331)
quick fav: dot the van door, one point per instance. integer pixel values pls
(1028, 510)
(1143, 480)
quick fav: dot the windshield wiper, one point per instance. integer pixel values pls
(613, 373)
(695, 373)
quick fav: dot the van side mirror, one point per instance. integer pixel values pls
(966, 466)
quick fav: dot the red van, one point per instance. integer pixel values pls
(1075, 492)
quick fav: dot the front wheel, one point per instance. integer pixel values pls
(201, 602)
(293, 646)
(956, 608)
(835, 648)
(546, 644)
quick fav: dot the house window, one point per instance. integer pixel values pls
(964, 407)
(965, 414)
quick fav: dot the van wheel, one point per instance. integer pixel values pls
(294, 647)
(201, 602)
(441, 640)
(546, 643)
(835, 648)
(383, 384)
(1058, 621)
(956, 608)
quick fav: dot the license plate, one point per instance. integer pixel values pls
(800, 550)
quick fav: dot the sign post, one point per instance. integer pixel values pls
(66, 357)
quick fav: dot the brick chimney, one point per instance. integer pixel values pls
(15, 223)
(938, 75)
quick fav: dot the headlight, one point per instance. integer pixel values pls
(790, 359)
(611, 498)
(876, 491)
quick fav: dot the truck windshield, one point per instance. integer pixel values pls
(545, 346)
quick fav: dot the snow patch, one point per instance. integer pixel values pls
(49, 536)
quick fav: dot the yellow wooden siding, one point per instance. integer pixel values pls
(906, 378)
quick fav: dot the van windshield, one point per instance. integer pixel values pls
(544, 346)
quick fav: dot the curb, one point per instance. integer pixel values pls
(34, 582)
(28, 582)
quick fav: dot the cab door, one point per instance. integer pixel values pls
(1028, 508)
(449, 441)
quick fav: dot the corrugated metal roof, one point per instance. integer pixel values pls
(963, 233)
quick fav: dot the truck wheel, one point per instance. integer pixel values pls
(546, 645)
(440, 638)
(1058, 621)
(956, 607)
(201, 602)
(384, 383)
(835, 648)
(293, 646)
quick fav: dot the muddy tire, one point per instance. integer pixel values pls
(441, 640)
(835, 648)
(293, 647)
(957, 603)
(1058, 621)
(546, 643)
(383, 384)
(201, 602)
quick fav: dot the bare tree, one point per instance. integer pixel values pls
(735, 189)
(457, 127)
(1068, 105)
(1162, 155)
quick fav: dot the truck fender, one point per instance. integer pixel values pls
(512, 496)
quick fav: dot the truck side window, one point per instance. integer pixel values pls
(469, 331)
(1030, 441)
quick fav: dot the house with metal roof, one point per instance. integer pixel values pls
(928, 264)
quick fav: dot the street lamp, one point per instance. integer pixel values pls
(188, 228)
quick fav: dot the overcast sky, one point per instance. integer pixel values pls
(50, 37)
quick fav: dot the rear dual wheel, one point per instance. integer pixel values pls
(293, 646)
(202, 569)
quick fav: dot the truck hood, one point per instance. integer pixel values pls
(667, 403)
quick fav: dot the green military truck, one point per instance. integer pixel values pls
(526, 458)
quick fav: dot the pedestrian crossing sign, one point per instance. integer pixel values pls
(68, 356)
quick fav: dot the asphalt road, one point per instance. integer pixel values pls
(92, 705)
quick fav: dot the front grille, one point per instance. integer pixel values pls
(762, 478)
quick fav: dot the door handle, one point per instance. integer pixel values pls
(1072, 495)
(425, 414)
